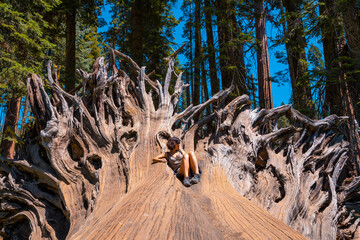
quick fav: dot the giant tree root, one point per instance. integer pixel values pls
(85, 168)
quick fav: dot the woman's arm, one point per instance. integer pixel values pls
(182, 151)
(160, 158)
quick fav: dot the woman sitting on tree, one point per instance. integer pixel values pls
(182, 163)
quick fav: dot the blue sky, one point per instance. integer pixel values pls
(281, 93)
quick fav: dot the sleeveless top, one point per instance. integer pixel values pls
(174, 162)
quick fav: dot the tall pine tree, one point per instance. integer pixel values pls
(23, 46)
(263, 65)
(143, 30)
(231, 57)
(295, 41)
(214, 82)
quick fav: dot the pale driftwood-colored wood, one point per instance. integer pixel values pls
(85, 169)
(301, 173)
(160, 207)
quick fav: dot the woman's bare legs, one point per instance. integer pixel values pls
(184, 167)
(189, 161)
(193, 162)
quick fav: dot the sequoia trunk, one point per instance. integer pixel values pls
(295, 47)
(263, 66)
(214, 82)
(70, 54)
(10, 127)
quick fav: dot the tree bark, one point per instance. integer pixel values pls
(190, 90)
(231, 57)
(214, 82)
(338, 93)
(24, 116)
(331, 38)
(220, 8)
(351, 17)
(295, 47)
(197, 60)
(263, 66)
(136, 36)
(223, 22)
(253, 90)
(237, 57)
(70, 52)
(204, 84)
(10, 127)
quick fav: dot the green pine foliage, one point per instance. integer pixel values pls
(88, 48)
(144, 31)
(23, 43)
(89, 43)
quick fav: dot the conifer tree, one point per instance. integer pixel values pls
(263, 65)
(295, 45)
(23, 46)
(76, 11)
(332, 37)
(188, 33)
(88, 46)
(342, 63)
(231, 56)
(196, 93)
(143, 29)
(214, 82)
(350, 11)
(204, 83)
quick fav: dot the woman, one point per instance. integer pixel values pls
(181, 162)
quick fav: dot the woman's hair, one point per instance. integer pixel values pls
(172, 142)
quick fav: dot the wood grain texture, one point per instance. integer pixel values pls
(160, 207)
(84, 170)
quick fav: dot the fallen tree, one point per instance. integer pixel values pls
(91, 150)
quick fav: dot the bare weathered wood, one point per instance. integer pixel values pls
(85, 170)
(298, 172)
